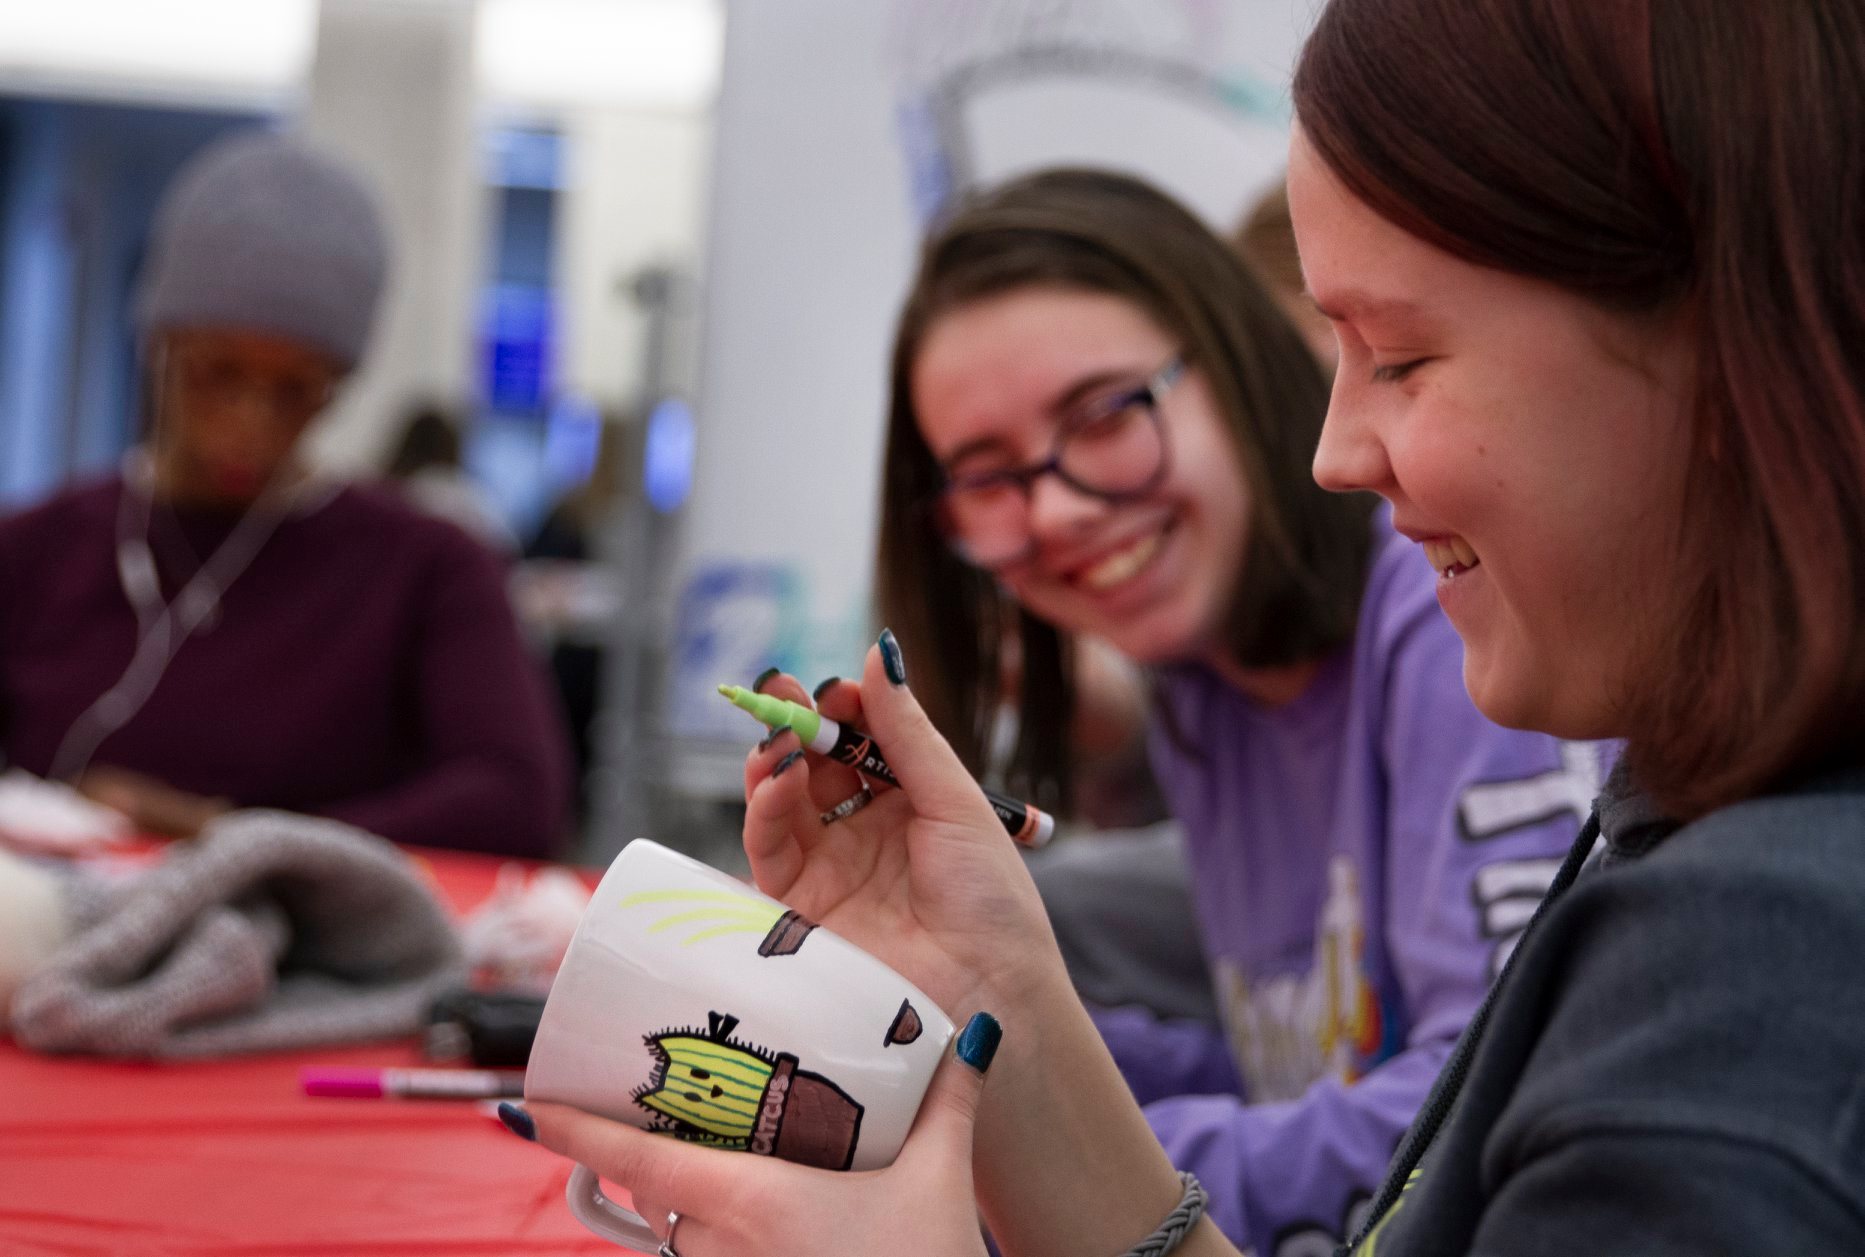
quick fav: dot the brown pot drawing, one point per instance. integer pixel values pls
(906, 1026)
(786, 935)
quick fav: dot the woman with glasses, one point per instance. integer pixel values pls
(1102, 426)
(219, 627)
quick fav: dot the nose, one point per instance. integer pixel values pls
(1352, 453)
(247, 420)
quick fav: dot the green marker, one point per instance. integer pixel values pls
(1028, 825)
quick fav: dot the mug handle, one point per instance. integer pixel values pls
(606, 1218)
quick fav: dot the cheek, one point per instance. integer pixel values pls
(1442, 462)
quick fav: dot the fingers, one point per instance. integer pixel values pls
(774, 745)
(779, 818)
(673, 1175)
(928, 768)
(942, 1133)
(839, 700)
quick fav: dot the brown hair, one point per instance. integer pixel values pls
(1304, 558)
(1693, 159)
(1266, 239)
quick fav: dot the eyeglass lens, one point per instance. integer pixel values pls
(1107, 453)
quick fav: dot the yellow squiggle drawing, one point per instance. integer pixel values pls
(695, 896)
(760, 920)
(732, 913)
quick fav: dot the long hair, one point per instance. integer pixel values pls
(1694, 160)
(1303, 558)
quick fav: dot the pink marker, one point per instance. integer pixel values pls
(415, 1084)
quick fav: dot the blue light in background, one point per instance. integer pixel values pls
(667, 461)
(572, 438)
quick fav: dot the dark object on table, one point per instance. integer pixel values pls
(492, 1029)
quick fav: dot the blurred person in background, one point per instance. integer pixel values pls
(1102, 424)
(568, 596)
(218, 626)
(428, 466)
(1266, 240)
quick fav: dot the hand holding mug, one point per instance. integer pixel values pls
(707, 1203)
(691, 1006)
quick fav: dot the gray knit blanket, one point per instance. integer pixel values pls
(270, 931)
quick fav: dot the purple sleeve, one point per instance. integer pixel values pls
(1162, 1057)
(492, 774)
(1290, 1178)
(1477, 818)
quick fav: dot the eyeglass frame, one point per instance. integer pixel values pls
(1145, 395)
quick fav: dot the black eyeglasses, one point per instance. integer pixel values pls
(1113, 450)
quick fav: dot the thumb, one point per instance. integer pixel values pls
(942, 1131)
(925, 764)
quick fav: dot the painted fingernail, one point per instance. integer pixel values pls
(519, 1122)
(891, 662)
(977, 1042)
(772, 736)
(817, 693)
(783, 765)
(757, 686)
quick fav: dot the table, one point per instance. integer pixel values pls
(229, 1157)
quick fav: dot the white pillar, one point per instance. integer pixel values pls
(391, 87)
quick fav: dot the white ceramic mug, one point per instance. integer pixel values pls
(691, 1004)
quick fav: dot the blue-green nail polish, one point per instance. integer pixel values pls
(757, 686)
(772, 736)
(891, 662)
(823, 688)
(783, 765)
(519, 1122)
(977, 1042)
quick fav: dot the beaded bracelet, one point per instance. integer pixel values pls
(1178, 1223)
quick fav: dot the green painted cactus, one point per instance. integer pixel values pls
(709, 1088)
(705, 1082)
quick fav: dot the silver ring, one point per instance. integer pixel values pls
(849, 806)
(667, 1248)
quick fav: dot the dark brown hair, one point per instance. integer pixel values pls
(1699, 160)
(429, 438)
(1266, 239)
(1304, 557)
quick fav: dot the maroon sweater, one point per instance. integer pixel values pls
(366, 666)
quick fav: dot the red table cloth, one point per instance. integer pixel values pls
(230, 1157)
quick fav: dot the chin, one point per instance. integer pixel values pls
(1151, 643)
(1533, 699)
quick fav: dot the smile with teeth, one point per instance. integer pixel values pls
(1122, 564)
(1450, 556)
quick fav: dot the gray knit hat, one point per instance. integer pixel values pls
(263, 231)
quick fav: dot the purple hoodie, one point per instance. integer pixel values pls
(1362, 860)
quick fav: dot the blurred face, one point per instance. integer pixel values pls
(231, 407)
(996, 381)
(1531, 443)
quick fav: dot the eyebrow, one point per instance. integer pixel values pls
(1350, 303)
(1058, 406)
